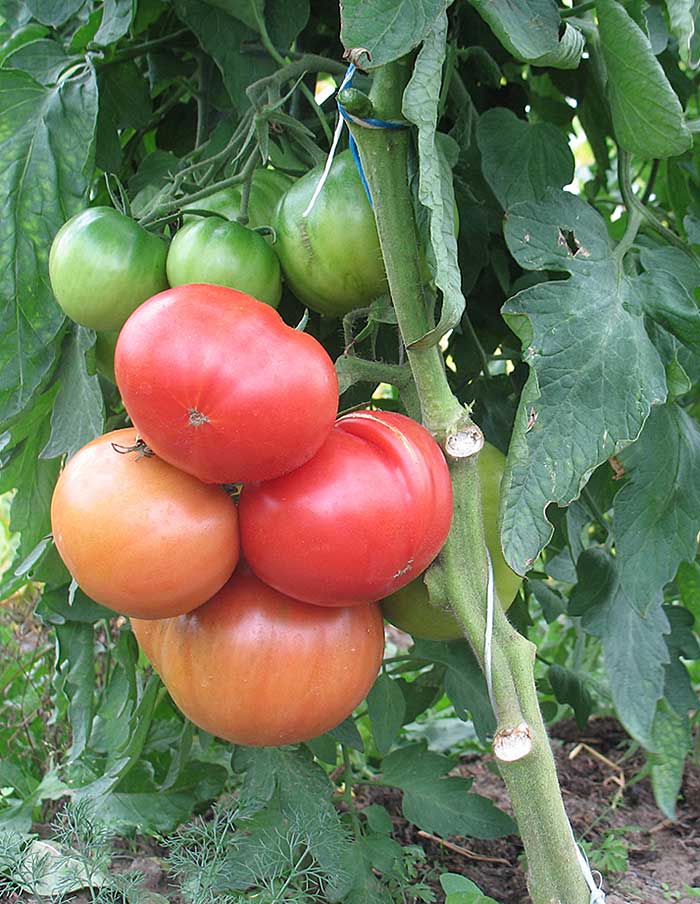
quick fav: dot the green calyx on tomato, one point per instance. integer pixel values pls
(267, 187)
(103, 265)
(331, 258)
(225, 253)
(410, 607)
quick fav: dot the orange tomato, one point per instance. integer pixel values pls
(138, 535)
(259, 668)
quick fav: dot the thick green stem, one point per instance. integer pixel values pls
(461, 573)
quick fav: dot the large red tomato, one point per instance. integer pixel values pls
(258, 668)
(219, 386)
(364, 517)
(138, 535)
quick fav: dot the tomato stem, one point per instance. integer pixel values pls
(460, 574)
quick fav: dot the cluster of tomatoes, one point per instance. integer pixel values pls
(281, 643)
(245, 531)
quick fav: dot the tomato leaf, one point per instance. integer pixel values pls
(633, 645)
(671, 743)
(529, 29)
(139, 801)
(657, 512)
(347, 733)
(570, 687)
(685, 24)
(438, 804)
(33, 478)
(388, 29)
(226, 39)
(44, 131)
(54, 12)
(435, 189)
(567, 425)
(285, 19)
(521, 160)
(464, 682)
(75, 678)
(387, 707)
(78, 412)
(647, 115)
(117, 16)
(44, 60)
(688, 582)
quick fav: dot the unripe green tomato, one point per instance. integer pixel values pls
(224, 253)
(330, 258)
(103, 265)
(266, 189)
(410, 608)
(104, 354)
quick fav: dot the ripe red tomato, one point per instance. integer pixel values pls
(219, 386)
(138, 535)
(364, 517)
(258, 668)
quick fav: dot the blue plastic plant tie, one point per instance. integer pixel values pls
(369, 123)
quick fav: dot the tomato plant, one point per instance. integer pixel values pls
(218, 385)
(267, 187)
(103, 265)
(225, 254)
(367, 513)
(258, 668)
(138, 535)
(560, 320)
(330, 256)
(410, 609)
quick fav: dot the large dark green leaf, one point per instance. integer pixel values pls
(33, 479)
(285, 19)
(594, 373)
(387, 707)
(657, 512)
(139, 801)
(529, 29)
(75, 677)
(229, 42)
(46, 143)
(117, 16)
(438, 804)
(633, 643)
(647, 115)
(78, 412)
(54, 12)
(388, 29)
(521, 160)
(464, 682)
(44, 60)
(672, 742)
